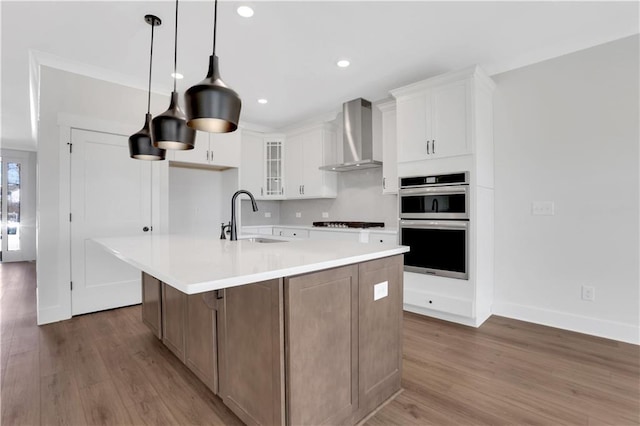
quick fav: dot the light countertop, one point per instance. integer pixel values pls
(391, 231)
(194, 264)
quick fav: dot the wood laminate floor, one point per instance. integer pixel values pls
(107, 368)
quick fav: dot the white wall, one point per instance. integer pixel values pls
(67, 93)
(200, 200)
(249, 217)
(359, 198)
(566, 130)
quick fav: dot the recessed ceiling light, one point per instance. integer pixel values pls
(245, 11)
(262, 101)
(177, 75)
(343, 63)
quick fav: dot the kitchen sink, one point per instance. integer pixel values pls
(263, 240)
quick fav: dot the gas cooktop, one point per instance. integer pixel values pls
(338, 224)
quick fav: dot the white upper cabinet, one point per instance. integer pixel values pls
(307, 150)
(198, 155)
(389, 148)
(252, 163)
(212, 149)
(261, 165)
(224, 148)
(435, 116)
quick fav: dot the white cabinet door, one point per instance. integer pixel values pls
(251, 173)
(197, 155)
(434, 123)
(449, 120)
(273, 167)
(412, 131)
(224, 149)
(294, 165)
(389, 150)
(306, 152)
(313, 178)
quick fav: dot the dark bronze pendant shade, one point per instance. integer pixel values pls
(211, 105)
(170, 130)
(140, 143)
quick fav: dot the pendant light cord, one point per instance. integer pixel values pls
(150, 65)
(175, 51)
(215, 25)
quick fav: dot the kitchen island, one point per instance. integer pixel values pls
(298, 332)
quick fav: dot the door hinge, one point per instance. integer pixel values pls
(70, 147)
(71, 285)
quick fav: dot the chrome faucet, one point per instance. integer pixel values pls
(234, 233)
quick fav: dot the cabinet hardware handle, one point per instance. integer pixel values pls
(302, 189)
(384, 183)
(261, 191)
(145, 229)
(207, 155)
(428, 148)
(433, 146)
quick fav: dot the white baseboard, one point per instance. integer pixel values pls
(623, 332)
(53, 314)
(468, 321)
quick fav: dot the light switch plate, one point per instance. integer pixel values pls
(543, 208)
(325, 215)
(380, 290)
(298, 214)
(267, 214)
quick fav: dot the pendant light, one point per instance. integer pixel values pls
(170, 130)
(212, 106)
(140, 146)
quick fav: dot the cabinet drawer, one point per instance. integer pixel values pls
(438, 302)
(291, 233)
(383, 238)
(334, 235)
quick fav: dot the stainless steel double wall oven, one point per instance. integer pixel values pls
(434, 222)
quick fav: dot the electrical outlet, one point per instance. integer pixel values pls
(267, 214)
(588, 293)
(380, 290)
(298, 214)
(542, 208)
(325, 215)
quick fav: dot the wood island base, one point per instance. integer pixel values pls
(312, 349)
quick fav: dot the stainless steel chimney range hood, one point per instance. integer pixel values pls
(357, 138)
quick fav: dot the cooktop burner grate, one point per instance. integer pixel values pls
(339, 224)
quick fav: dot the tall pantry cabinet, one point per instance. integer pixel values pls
(445, 125)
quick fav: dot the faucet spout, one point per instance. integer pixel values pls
(234, 232)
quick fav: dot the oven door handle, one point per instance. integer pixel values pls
(434, 190)
(434, 224)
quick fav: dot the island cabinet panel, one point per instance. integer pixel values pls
(251, 352)
(321, 346)
(152, 304)
(174, 309)
(379, 332)
(200, 338)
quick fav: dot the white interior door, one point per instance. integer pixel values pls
(110, 196)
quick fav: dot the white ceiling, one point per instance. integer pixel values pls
(287, 51)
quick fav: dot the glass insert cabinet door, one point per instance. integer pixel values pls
(11, 177)
(273, 168)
